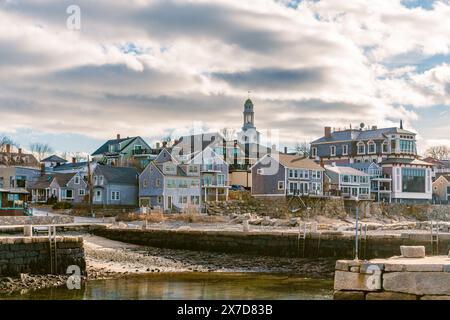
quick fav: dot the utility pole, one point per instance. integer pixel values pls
(90, 187)
(356, 230)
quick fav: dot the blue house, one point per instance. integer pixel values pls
(115, 186)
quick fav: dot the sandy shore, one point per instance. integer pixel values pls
(108, 258)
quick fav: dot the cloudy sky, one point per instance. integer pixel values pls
(153, 68)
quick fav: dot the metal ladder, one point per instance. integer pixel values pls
(302, 231)
(53, 249)
(363, 239)
(434, 238)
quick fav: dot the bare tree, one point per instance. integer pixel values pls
(441, 152)
(4, 140)
(302, 148)
(227, 133)
(40, 150)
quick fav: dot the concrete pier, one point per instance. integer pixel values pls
(396, 278)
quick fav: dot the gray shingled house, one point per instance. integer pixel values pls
(115, 186)
(283, 174)
(64, 187)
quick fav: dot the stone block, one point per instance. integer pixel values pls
(428, 297)
(413, 251)
(342, 265)
(354, 269)
(394, 267)
(424, 267)
(348, 295)
(357, 281)
(418, 283)
(386, 295)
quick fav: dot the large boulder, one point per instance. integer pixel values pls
(357, 281)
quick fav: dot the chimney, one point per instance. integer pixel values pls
(20, 151)
(118, 136)
(374, 127)
(8, 148)
(158, 145)
(74, 160)
(285, 149)
(164, 144)
(42, 169)
(327, 132)
(401, 124)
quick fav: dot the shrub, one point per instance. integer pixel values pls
(62, 206)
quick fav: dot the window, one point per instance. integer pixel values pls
(115, 195)
(361, 147)
(158, 183)
(384, 147)
(77, 180)
(182, 199)
(364, 191)
(291, 173)
(67, 194)
(145, 183)
(314, 152)
(372, 147)
(81, 192)
(407, 146)
(95, 180)
(260, 171)
(319, 175)
(363, 179)
(54, 192)
(280, 185)
(313, 174)
(413, 180)
(159, 199)
(345, 150)
(101, 180)
(193, 169)
(170, 168)
(333, 150)
(220, 180)
(345, 178)
(195, 199)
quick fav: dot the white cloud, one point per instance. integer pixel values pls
(325, 62)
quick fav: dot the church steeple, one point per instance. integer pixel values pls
(249, 116)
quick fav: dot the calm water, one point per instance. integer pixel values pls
(192, 287)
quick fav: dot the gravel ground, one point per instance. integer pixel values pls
(108, 258)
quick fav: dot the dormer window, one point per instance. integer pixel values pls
(345, 150)
(385, 147)
(333, 150)
(361, 147)
(372, 147)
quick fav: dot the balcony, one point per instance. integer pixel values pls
(239, 167)
(210, 168)
(143, 152)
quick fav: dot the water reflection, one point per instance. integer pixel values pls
(191, 286)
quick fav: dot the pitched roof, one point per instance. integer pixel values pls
(345, 170)
(118, 175)
(71, 166)
(54, 158)
(105, 147)
(15, 159)
(43, 182)
(353, 134)
(297, 162)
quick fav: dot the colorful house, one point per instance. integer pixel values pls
(125, 152)
(115, 186)
(168, 184)
(393, 149)
(59, 187)
(283, 174)
(13, 202)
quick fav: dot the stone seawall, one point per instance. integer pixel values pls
(393, 279)
(35, 220)
(32, 255)
(323, 245)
